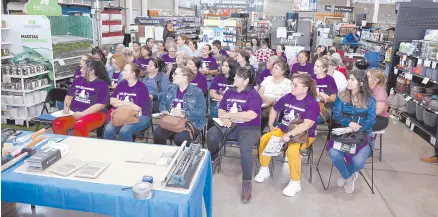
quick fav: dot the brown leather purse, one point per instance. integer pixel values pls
(124, 116)
(177, 124)
(300, 138)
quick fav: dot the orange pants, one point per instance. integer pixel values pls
(82, 126)
(292, 153)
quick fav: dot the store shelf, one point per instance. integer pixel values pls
(419, 125)
(412, 56)
(7, 57)
(63, 77)
(6, 43)
(30, 105)
(26, 91)
(405, 95)
(404, 71)
(27, 76)
(377, 42)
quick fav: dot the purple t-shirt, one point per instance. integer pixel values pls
(179, 99)
(210, 63)
(247, 100)
(115, 78)
(298, 68)
(219, 84)
(144, 63)
(266, 73)
(307, 108)
(86, 94)
(77, 73)
(326, 85)
(167, 59)
(137, 94)
(224, 53)
(137, 62)
(200, 81)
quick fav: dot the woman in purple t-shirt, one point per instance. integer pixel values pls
(280, 52)
(146, 54)
(84, 59)
(239, 112)
(133, 94)
(85, 102)
(299, 104)
(267, 72)
(209, 64)
(194, 64)
(118, 62)
(326, 88)
(302, 66)
(220, 84)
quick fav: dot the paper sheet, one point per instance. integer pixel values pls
(273, 148)
(218, 121)
(61, 114)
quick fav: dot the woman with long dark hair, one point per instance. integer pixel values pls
(220, 84)
(156, 81)
(321, 51)
(303, 65)
(97, 53)
(240, 106)
(354, 109)
(86, 101)
(194, 64)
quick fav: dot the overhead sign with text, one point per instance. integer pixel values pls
(343, 9)
(150, 21)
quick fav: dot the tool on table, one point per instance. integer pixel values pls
(186, 167)
(28, 150)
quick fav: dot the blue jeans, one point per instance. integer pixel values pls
(126, 132)
(357, 163)
(320, 120)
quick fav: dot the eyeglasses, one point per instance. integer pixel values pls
(293, 85)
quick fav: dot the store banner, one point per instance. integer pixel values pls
(343, 9)
(150, 21)
(31, 40)
(225, 6)
(43, 7)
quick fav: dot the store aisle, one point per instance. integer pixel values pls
(404, 187)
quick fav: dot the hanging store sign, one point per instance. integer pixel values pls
(150, 21)
(216, 6)
(43, 7)
(343, 9)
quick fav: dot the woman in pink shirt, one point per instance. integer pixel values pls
(377, 82)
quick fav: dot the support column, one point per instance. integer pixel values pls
(175, 6)
(144, 8)
(376, 11)
(128, 5)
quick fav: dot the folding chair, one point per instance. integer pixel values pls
(141, 134)
(54, 95)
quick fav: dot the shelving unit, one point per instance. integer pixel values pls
(7, 57)
(189, 26)
(27, 76)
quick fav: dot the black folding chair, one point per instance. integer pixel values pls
(53, 96)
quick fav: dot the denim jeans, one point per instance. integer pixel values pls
(126, 132)
(357, 163)
(320, 120)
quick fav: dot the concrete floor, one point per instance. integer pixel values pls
(404, 187)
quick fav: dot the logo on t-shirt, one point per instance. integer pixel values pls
(127, 97)
(82, 94)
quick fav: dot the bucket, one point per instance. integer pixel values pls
(419, 113)
(429, 120)
(410, 106)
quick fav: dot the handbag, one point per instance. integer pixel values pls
(177, 124)
(300, 138)
(123, 116)
(351, 142)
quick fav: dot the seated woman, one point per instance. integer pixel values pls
(156, 81)
(160, 49)
(184, 100)
(240, 107)
(130, 94)
(146, 54)
(321, 51)
(209, 64)
(273, 88)
(243, 60)
(301, 101)
(181, 60)
(98, 54)
(87, 98)
(326, 88)
(170, 58)
(377, 83)
(280, 52)
(355, 108)
(217, 54)
(118, 62)
(84, 59)
(267, 71)
(199, 80)
(220, 84)
(341, 66)
(340, 80)
(303, 65)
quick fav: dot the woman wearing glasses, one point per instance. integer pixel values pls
(355, 109)
(184, 100)
(240, 108)
(301, 103)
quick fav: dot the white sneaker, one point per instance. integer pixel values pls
(262, 174)
(349, 183)
(292, 188)
(340, 182)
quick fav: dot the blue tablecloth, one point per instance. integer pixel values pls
(107, 199)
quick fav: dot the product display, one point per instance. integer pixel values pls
(185, 170)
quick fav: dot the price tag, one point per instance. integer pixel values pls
(408, 98)
(19, 122)
(7, 79)
(61, 62)
(434, 65)
(405, 57)
(297, 34)
(425, 80)
(420, 61)
(412, 127)
(408, 122)
(408, 76)
(427, 63)
(395, 71)
(432, 140)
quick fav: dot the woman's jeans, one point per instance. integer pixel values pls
(161, 135)
(357, 162)
(247, 137)
(126, 132)
(320, 120)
